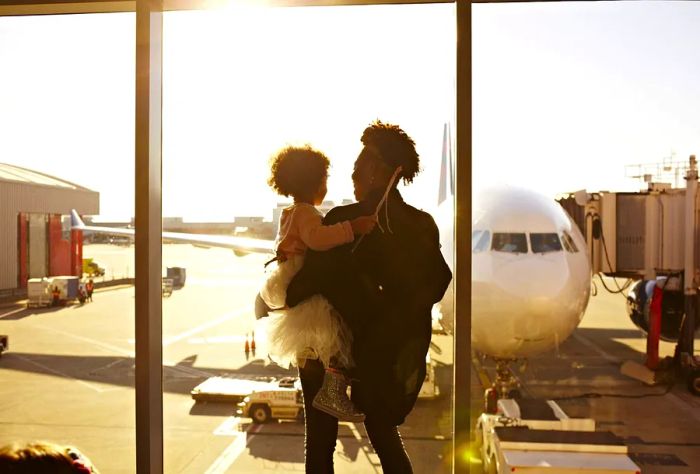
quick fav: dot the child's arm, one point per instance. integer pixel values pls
(324, 237)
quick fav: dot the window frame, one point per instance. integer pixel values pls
(148, 204)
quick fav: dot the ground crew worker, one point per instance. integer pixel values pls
(55, 296)
(82, 296)
(89, 286)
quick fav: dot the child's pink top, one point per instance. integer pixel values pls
(301, 228)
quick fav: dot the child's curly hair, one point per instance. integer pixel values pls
(43, 458)
(297, 171)
(395, 148)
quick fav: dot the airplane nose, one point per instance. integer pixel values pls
(526, 304)
(542, 318)
(542, 285)
(537, 278)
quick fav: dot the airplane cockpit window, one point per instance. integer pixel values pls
(475, 238)
(543, 243)
(509, 242)
(481, 242)
(568, 243)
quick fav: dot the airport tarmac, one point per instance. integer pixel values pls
(69, 376)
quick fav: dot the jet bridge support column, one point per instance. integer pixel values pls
(685, 341)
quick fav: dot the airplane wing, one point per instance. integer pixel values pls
(240, 245)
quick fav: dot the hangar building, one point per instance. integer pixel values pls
(33, 243)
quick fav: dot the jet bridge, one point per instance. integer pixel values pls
(641, 235)
(651, 237)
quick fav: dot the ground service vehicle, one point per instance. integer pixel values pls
(283, 401)
(537, 436)
(91, 268)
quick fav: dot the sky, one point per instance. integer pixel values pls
(565, 95)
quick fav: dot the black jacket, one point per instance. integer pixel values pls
(384, 290)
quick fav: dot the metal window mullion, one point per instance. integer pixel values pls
(148, 237)
(62, 7)
(463, 193)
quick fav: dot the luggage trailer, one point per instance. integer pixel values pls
(536, 436)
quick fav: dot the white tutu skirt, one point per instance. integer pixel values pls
(313, 323)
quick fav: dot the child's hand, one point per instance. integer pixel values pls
(363, 225)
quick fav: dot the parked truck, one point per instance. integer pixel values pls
(40, 290)
(91, 268)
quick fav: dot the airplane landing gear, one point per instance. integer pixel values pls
(490, 401)
(505, 381)
(505, 385)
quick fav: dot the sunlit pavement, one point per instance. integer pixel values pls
(660, 428)
(68, 377)
(70, 372)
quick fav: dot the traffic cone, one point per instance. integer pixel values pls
(246, 349)
(252, 342)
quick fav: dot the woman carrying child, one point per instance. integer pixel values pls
(384, 287)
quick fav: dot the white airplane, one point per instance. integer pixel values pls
(240, 245)
(531, 276)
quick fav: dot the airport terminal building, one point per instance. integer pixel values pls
(32, 240)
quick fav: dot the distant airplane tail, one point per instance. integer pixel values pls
(447, 186)
(75, 221)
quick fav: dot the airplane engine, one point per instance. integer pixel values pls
(672, 308)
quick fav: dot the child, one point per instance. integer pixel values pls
(312, 329)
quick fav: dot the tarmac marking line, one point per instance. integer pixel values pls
(11, 312)
(217, 339)
(131, 354)
(107, 366)
(684, 405)
(584, 340)
(232, 451)
(229, 427)
(205, 326)
(58, 372)
(103, 345)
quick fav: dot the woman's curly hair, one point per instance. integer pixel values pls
(297, 171)
(395, 148)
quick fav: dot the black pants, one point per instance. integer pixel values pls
(322, 431)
